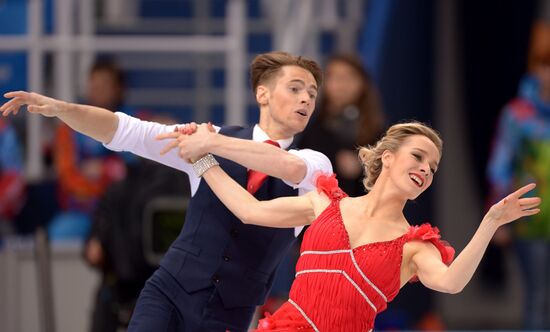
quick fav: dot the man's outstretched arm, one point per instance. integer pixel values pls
(98, 123)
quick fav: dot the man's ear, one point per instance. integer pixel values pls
(262, 95)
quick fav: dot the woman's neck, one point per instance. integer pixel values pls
(384, 203)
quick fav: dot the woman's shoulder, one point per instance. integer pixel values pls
(429, 234)
(328, 184)
(327, 194)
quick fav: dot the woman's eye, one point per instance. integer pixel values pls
(433, 170)
(417, 156)
(294, 89)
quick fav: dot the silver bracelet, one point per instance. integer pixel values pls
(205, 163)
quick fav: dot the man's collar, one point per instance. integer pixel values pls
(259, 135)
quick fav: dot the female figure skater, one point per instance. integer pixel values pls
(359, 251)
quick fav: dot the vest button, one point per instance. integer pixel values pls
(225, 258)
(216, 279)
(234, 232)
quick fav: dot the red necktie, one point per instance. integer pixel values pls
(255, 178)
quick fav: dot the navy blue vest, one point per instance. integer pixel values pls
(216, 248)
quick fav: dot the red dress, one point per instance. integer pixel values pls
(342, 289)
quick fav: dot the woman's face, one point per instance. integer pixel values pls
(343, 84)
(413, 165)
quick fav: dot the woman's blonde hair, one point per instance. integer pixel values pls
(371, 156)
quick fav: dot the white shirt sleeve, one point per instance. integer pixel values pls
(138, 137)
(316, 163)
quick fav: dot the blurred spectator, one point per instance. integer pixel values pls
(521, 154)
(12, 185)
(349, 115)
(116, 244)
(84, 167)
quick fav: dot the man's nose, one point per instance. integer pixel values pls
(304, 98)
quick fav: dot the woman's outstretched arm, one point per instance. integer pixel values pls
(426, 262)
(280, 212)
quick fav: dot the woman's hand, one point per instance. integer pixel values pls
(513, 207)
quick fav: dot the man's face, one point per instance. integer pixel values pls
(287, 101)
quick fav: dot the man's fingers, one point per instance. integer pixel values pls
(169, 147)
(36, 108)
(11, 105)
(14, 94)
(11, 109)
(23, 97)
(167, 135)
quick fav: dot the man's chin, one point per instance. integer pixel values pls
(299, 128)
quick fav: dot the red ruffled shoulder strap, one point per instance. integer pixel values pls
(426, 232)
(328, 184)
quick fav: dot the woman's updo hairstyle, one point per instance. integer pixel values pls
(371, 156)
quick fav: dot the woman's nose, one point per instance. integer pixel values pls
(425, 169)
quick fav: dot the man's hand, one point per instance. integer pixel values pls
(36, 103)
(186, 129)
(191, 140)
